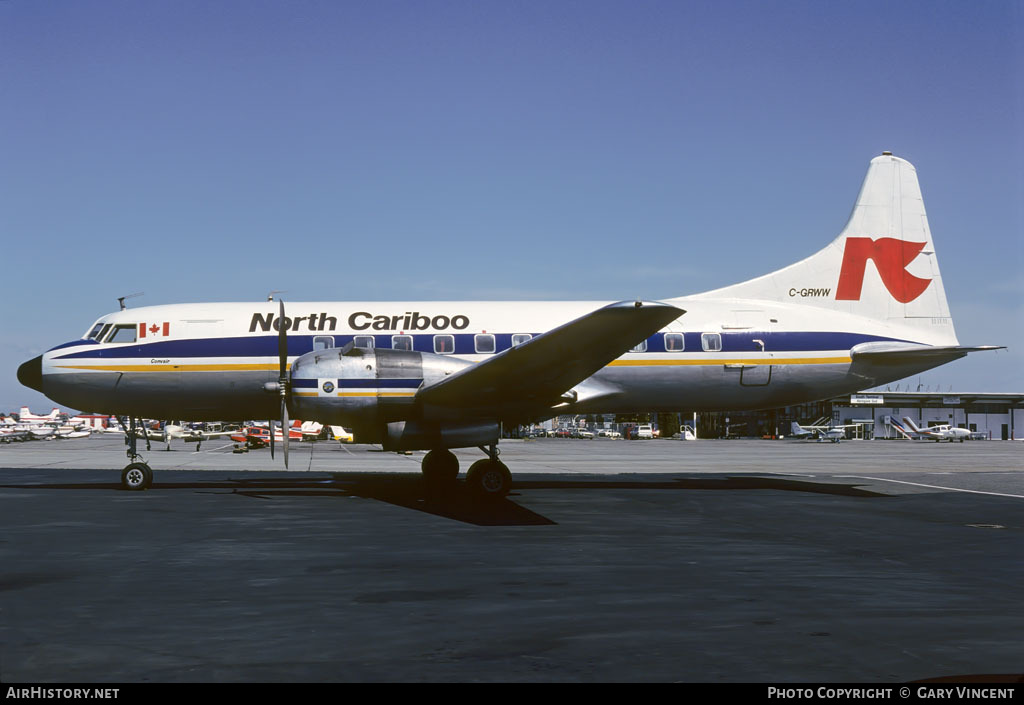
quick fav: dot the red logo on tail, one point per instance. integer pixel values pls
(891, 257)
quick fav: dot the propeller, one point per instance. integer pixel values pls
(282, 380)
(282, 384)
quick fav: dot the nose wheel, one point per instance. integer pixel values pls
(136, 476)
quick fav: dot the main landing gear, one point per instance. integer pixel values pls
(487, 478)
(136, 475)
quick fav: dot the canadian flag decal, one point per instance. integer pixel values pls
(154, 329)
(891, 257)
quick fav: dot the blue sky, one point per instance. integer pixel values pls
(203, 151)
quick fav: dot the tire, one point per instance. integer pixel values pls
(489, 479)
(440, 467)
(137, 477)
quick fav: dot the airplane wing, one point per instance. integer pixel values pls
(908, 352)
(538, 373)
(207, 435)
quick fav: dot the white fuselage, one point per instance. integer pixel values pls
(211, 361)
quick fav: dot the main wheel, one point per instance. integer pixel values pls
(440, 467)
(489, 479)
(137, 476)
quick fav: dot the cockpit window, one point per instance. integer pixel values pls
(95, 332)
(123, 334)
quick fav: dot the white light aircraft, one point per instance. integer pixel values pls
(822, 432)
(26, 416)
(189, 435)
(939, 432)
(867, 309)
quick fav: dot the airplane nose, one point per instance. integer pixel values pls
(31, 373)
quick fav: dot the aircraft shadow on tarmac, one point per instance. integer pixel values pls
(458, 503)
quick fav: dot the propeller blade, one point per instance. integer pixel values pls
(285, 429)
(282, 380)
(282, 346)
(271, 439)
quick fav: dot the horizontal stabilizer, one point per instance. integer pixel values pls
(540, 371)
(908, 352)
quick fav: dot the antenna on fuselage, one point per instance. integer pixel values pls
(120, 299)
(270, 296)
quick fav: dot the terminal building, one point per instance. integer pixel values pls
(989, 416)
(996, 416)
(992, 416)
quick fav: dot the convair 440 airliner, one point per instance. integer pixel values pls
(867, 309)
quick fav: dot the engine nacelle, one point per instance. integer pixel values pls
(425, 435)
(373, 392)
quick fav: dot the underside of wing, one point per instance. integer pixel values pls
(540, 373)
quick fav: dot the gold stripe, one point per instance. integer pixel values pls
(733, 361)
(375, 394)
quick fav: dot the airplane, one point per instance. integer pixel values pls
(189, 435)
(9, 435)
(820, 432)
(260, 436)
(313, 430)
(937, 433)
(26, 416)
(867, 309)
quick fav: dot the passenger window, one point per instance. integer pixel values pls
(674, 342)
(711, 342)
(323, 342)
(642, 347)
(401, 342)
(123, 334)
(520, 338)
(444, 344)
(363, 341)
(484, 343)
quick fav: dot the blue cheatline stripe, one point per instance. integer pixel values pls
(266, 346)
(410, 383)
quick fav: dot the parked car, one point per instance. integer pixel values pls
(644, 431)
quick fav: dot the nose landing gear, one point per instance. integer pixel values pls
(136, 475)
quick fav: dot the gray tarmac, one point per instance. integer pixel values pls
(707, 561)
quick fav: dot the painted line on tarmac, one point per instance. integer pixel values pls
(934, 487)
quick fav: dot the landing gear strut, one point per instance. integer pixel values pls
(136, 475)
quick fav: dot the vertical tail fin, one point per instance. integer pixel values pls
(913, 426)
(882, 265)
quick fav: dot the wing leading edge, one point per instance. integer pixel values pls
(538, 374)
